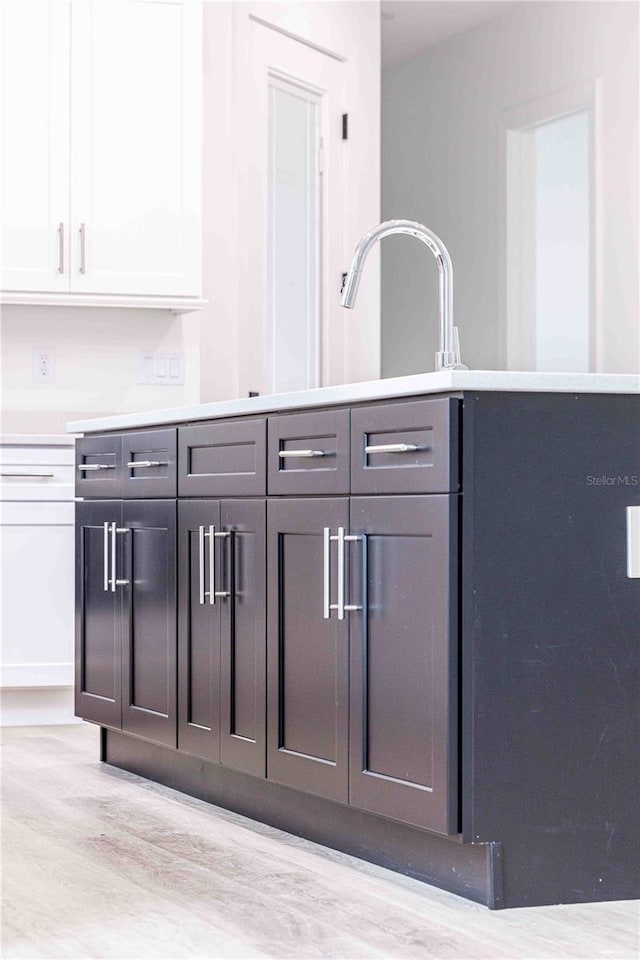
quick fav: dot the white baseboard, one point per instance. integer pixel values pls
(37, 707)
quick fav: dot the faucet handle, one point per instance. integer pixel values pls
(451, 360)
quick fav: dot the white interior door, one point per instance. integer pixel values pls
(288, 103)
(35, 145)
(136, 147)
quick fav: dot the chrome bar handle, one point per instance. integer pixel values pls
(341, 573)
(283, 454)
(144, 463)
(83, 248)
(118, 582)
(391, 448)
(223, 535)
(212, 565)
(326, 602)
(355, 538)
(84, 467)
(201, 565)
(61, 247)
(36, 476)
(105, 542)
(113, 556)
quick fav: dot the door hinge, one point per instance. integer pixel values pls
(321, 156)
(345, 126)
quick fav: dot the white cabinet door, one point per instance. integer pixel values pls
(136, 147)
(35, 145)
(37, 594)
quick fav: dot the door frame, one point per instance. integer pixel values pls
(517, 224)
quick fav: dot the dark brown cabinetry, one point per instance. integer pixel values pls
(375, 576)
(403, 689)
(309, 453)
(308, 655)
(133, 465)
(406, 447)
(223, 459)
(445, 679)
(149, 639)
(222, 631)
(125, 611)
(98, 667)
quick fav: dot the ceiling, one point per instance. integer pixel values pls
(410, 26)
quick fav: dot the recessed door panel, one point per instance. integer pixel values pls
(243, 647)
(148, 534)
(98, 620)
(307, 654)
(403, 759)
(199, 629)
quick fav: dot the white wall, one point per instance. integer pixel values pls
(441, 133)
(96, 349)
(96, 363)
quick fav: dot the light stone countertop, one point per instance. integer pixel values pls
(37, 439)
(444, 381)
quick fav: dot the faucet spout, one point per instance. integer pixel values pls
(448, 355)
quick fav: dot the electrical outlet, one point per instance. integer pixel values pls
(43, 365)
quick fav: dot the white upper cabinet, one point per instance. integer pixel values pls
(105, 182)
(35, 145)
(135, 147)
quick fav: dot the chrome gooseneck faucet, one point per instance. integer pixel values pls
(448, 356)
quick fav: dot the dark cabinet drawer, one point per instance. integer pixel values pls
(309, 453)
(225, 459)
(99, 466)
(405, 447)
(149, 464)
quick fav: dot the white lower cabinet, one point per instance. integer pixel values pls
(36, 537)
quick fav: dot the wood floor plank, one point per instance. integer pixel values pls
(100, 863)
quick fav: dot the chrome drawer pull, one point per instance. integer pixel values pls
(38, 476)
(212, 593)
(326, 594)
(342, 538)
(95, 466)
(392, 448)
(300, 453)
(358, 538)
(201, 590)
(144, 463)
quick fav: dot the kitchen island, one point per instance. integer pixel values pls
(398, 618)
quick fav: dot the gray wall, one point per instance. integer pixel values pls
(441, 118)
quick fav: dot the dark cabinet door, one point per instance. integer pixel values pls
(198, 628)
(307, 655)
(98, 621)
(243, 645)
(148, 536)
(403, 756)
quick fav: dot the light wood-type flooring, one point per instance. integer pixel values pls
(100, 863)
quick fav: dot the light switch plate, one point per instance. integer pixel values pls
(161, 367)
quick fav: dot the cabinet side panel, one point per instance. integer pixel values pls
(550, 642)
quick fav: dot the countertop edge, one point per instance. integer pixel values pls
(445, 381)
